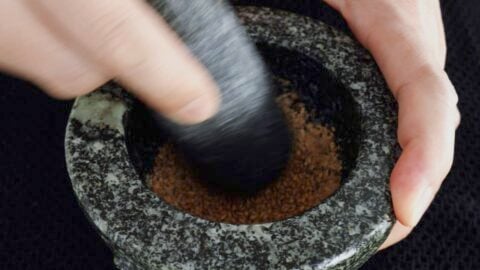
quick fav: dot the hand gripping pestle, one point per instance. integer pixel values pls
(247, 143)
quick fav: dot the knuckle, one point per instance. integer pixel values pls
(457, 116)
(116, 43)
(68, 87)
(447, 95)
(64, 93)
(440, 87)
(58, 92)
(446, 92)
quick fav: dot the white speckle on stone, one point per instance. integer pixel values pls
(111, 179)
(100, 109)
(97, 146)
(273, 258)
(237, 250)
(319, 46)
(358, 85)
(337, 259)
(153, 212)
(131, 189)
(101, 224)
(179, 215)
(354, 229)
(77, 140)
(255, 232)
(373, 157)
(362, 210)
(382, 227)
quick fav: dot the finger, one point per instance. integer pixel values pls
(428, 117)
(441, 30)
(398, 233)
(130, 41)
(393, 37)
(335, 4)
(431, 26)
(427, 101)
(29, 50)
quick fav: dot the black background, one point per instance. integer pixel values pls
(42, 227)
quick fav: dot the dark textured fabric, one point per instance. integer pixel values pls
(42, 227)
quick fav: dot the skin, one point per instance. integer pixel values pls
(70, 47)
(406, 38)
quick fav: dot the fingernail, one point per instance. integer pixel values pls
(196, 111)
(422, 203)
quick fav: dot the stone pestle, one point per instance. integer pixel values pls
(247, 143)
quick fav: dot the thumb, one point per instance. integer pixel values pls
(428, 118)
(135, 46)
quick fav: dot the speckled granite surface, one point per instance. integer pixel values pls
(146, 233)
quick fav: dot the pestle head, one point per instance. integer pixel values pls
(236, 151)
(247, 143)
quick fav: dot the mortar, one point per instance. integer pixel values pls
(111, 143)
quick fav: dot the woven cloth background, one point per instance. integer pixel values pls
(42, 227)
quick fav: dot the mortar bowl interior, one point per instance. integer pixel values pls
(326, 99)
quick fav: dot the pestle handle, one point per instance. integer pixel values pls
(247, 143)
